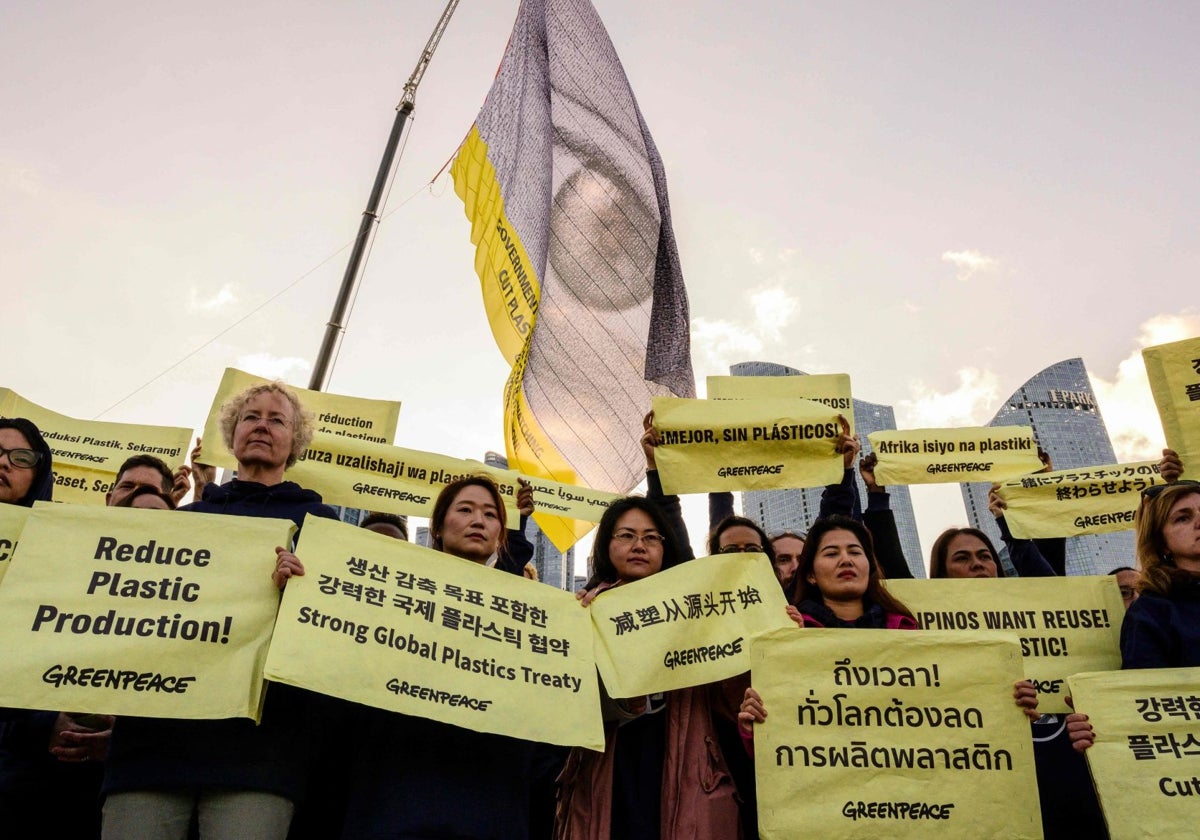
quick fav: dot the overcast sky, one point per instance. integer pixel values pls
(940, 199)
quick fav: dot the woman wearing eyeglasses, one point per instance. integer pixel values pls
(29, 774)
(26, 474)
(662, 775)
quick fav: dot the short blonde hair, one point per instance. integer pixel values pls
(302, 423)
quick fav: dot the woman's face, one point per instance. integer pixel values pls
(841, 569)
(787, 558)
(471, 529)
(739, 538)
(1181, 533)
(636, 547)
(14, 481)
(968, 556)
(265, 431)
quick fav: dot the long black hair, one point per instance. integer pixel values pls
(603, 570)
(42, 487)
(939, 555)
(806, 590)
(449, 495)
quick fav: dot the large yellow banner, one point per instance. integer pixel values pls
(565, 512)
(357, 418)
(1145, 761)
(891, 735)
(1070, 503)
(714, 445)
(139, 612)
(12, 521)
(685, 626)
(88, 453)
(1064, 625)
(1174, 373)
(383, 622)
(829, 389)
(359, 473)
(375, 476)
(949, 456)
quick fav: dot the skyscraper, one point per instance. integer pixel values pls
(778, 510)
(553, 567)
(1061, 407)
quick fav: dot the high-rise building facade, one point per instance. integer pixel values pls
(422, 537)
(553, 567)
(1061, 407)
(795, 510)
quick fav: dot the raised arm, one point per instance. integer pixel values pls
(881, 522)
(670, 506)
(518, 550)
(842, 498)
(1026, 556)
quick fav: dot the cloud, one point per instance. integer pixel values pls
(756, 256)
(969, 263)
(773, 310)
(719, 342)
(21, 178)
(223, 296)
(288, 368)
(1125, 400)
(972, 403)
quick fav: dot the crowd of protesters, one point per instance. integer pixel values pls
(675, 766)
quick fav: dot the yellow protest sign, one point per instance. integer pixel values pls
(88, 453)
(360, 473)
(829, 389)
(685, 626)
(1064, 624)
(1174, 373)
(948, 456)
(12, 521)
(1069, 503)
(357, 418)
(1145, 761)
(139, 612)
(383, 622)
(889, 734)
(713, 445)
(564, 512)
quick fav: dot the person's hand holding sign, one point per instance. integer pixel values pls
(849, 445)
(524, 497)
(650, 440)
